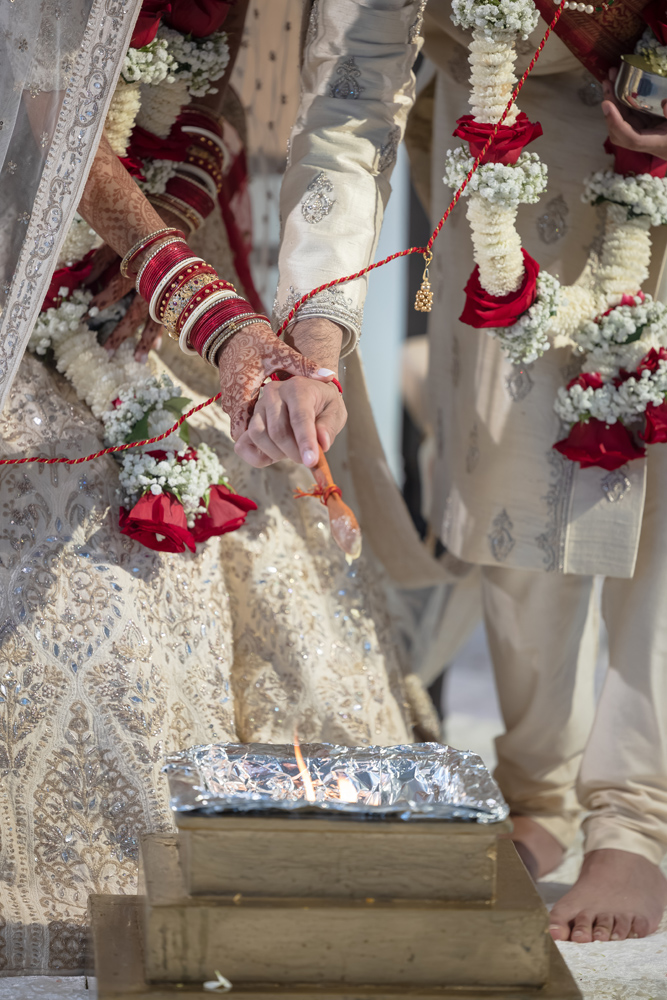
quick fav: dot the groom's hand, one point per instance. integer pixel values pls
(290, 419)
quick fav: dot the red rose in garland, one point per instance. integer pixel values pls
(587, 380)
(508, 143)
(158, 522)
(226, 511)
(650, 361)
(594, 443)
(69, 278)
(148, 22)
(198, 17)
(483, 310)
(655, 431)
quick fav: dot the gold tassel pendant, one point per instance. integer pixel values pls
(424, 297)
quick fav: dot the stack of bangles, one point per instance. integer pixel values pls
(191, 194)
(186, 296)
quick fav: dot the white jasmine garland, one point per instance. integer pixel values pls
(494, 17)
(492, 78)
(501, 184)
(200, 61)
(645, 319)
(188, 477)
(528, 338)
(147, 396)
(158, 173)
(79, 241)
(626, 254)
(122, 115)
(641, 194)
(152, 64)
(161, 106)
(497, 246)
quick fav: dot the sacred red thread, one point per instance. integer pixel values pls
(315, 291)
(319, 491)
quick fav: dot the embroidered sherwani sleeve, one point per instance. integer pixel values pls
(357, 91)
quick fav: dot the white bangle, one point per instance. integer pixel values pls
(219, 296)
(185, 169)
(155, 298)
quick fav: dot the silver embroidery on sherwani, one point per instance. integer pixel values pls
(317, 204)
(332, 303)
(616, 486)
(347, 86)
(389, 150)
(552, 540)
(501, 540)
(416, 26)
(472, 457)
(519, 383)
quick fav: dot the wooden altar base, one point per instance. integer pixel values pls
(119, 933)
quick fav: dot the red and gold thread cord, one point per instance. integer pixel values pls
(324, 495)
(315, 291)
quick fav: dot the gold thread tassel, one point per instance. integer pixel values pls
(424, 297)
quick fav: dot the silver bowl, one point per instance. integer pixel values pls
(640, 89)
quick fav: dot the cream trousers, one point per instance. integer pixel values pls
(560, 752)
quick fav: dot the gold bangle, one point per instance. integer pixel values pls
(179, 208)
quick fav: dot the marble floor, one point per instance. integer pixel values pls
(623, 970)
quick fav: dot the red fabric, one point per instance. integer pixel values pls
(627, 161)
(146, 146)
(158, 515)
(655, 15)
(655, 431)
(198, 17)
(226, 512)
(599, 40)
(148, 22)
(483, 310)
(594, 443)
(507, 144)
(70, 278)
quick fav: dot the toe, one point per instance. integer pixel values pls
(603, 926)
(582, 928)
(640, 927)
(559, 932)
(622, 924)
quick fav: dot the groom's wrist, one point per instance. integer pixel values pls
(318, 339)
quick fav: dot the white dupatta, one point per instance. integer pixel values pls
(59, 65)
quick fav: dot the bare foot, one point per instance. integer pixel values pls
(539, 851)
(617, 895)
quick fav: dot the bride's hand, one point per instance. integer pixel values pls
(293, 417)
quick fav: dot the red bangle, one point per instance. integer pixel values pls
(200, 120)
(174, 286)
(193, 196)
(201, 295)
(158, 266)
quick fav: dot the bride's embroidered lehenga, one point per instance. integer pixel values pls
(112, 654)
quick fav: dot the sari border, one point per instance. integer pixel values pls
(77, 135)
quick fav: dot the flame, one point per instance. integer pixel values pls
(303, 771)
(346, 790)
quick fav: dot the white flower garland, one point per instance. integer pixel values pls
(201, 61)
(641, 194)
(643, 319)
(528, 338)
(152, 64)
(499, 183)
(497, 246)
(122, 115)
(129, 403)
(496, 17)
(79, 241)
(157, 175)
(161, 106)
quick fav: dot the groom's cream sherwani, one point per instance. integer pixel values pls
(539, 527)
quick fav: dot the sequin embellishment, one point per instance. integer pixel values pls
(519, 383)
(552, 225)
(347, 86)
(389, 150)
(317, 205)
(616, 486)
